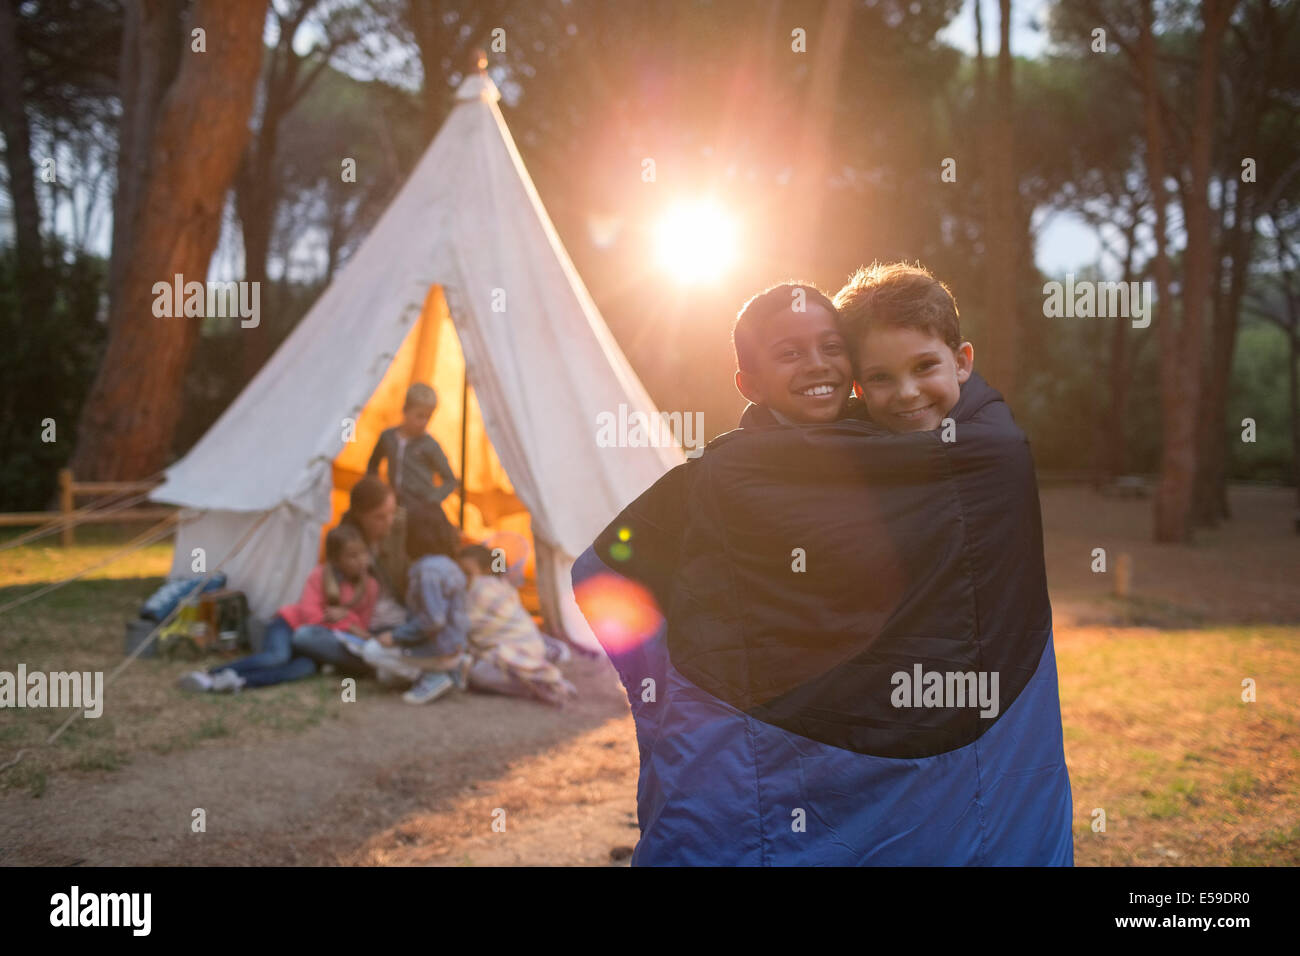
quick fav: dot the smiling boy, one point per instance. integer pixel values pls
(792, 358)
(902, 328)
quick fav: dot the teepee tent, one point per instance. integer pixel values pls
(463, 283)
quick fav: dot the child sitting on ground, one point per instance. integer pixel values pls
(429, 650)
(339, 593)
(510, 654)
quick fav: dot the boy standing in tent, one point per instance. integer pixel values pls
(414, 456)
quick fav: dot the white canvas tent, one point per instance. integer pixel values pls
(462, 283)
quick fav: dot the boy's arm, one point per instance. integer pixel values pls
(643, 542)
(376, 456)
(366, 606)
(409, 633)
(441, 467)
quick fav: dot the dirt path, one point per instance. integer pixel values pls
(384, 783)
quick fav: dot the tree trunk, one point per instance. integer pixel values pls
(257, 181)
(431, 39)
(1211, 499)
(1001, 327)
(1098, 415)
(816, 140)
(32, 281)
(256, 198)
(1293, 382)
(152, 41)
(1167, 328)
(131, 412)
(1115, 457)
(1180, 342)
(1211, 486)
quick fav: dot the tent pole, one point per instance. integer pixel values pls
(464, 420)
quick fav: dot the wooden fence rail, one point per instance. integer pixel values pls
(70, 490)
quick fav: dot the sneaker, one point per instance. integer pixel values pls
(429, 688)
(226, 682)
(351, 643)
(557, 651)
(460, 675)
(197, 681)
(374, 653)
(557, 695)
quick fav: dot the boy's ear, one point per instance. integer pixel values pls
(965, 356)
(745, 386)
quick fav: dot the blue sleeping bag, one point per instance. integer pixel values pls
(837, 646)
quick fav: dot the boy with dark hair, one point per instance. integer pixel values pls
(792, 359)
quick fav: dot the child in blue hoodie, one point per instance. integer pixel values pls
(430, 649)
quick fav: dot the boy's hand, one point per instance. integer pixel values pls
(385, 638)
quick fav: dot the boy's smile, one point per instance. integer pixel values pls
(911, 379)
(801, 366)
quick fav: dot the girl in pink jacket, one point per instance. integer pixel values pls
(339, 594)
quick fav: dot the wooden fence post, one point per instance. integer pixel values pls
(66, 506)
(1123, 575)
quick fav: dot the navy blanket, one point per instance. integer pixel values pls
(837, 645)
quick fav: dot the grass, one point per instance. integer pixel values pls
(1157, 735)
(44, 560)
(81, 627)
(1146, 611)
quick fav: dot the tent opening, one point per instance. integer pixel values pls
(492, 513)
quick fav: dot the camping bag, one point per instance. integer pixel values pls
(790, 613)
(163, 601)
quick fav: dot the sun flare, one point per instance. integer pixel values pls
(696, 241)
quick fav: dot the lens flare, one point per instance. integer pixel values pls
(623, 615)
